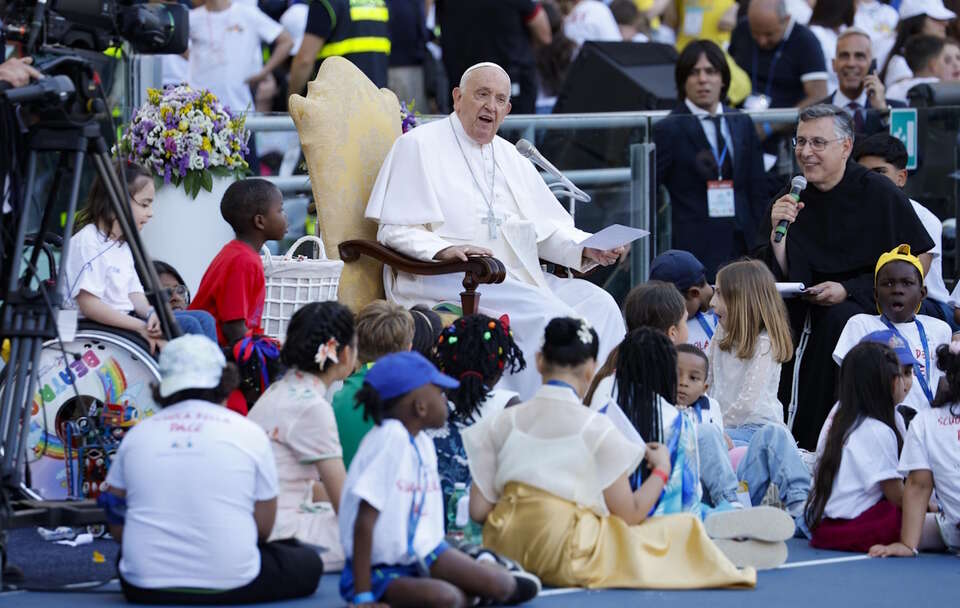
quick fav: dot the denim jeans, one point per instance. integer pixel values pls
(741, 435)
(772, 457)
(198, 322)
(717, 476)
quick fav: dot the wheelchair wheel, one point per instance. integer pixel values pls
(102, 376)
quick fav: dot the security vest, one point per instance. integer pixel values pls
(362, 35)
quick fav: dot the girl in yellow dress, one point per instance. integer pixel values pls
(550, 485)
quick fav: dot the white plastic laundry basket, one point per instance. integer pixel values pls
(292, 282)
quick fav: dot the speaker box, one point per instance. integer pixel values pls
(611, 77)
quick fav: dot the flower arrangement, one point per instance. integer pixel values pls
(409, 118)
(186, 137)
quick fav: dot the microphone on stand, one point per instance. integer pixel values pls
(527, 150)
(797, 185)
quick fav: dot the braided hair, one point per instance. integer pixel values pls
(374, 407)
(646, 371)
(477, 350)
(313, 326)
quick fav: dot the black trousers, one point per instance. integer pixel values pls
(288, 570)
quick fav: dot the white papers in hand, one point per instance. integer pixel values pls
(613, 236)
(789, 290)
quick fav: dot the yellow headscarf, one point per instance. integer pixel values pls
(900, 253)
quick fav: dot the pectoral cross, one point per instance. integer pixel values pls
(493, 223)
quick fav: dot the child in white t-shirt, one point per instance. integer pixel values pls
(688, 275)
(101, 277)
(391, 510)
(224, 55)
(857, 490)
(899, 291)
(931, 461)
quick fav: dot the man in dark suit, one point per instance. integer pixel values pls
(860, 91)
(710, 161)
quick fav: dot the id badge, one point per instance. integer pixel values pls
(693, 20)
(720, 200)
(757, 102)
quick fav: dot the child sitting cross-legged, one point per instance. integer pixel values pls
(931, 461)
(320, 349)
(391, 516)
(477, 350)
(382, 328)
(857, 492)
(899, 291)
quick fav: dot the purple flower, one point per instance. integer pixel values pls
(167, 174)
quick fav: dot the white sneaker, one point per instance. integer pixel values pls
(758, 554)
(766, 524)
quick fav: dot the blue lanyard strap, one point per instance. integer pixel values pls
(719, 158)
(921, 378)
(416, 509)
(702, 320)
(773, 65)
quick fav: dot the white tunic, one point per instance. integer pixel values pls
(425, 199)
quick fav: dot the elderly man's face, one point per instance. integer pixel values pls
(766, 28)
(822, 167)
(852, 62)
(483, 103)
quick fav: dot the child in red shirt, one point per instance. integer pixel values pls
(232, 288)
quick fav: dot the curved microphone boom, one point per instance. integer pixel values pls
(797, 185)
(527, 150)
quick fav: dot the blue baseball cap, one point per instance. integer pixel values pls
(679, 267)
(895, 342)
(397, 374)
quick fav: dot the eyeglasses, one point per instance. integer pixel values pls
(180, 290)
(818, 144)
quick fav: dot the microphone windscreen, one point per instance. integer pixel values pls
(525, 148)
(799, 182)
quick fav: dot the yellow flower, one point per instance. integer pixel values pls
(184, 125)
(206, 144)
(153, 95)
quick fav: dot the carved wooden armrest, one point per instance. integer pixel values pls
(476, 270)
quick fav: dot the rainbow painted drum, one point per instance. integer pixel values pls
(101, 369)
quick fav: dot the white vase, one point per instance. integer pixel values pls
(188, 233)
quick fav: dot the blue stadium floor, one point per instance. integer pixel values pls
(811, 579)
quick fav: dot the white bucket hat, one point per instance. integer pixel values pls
(190, 362)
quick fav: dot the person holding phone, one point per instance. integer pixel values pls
(859, 90)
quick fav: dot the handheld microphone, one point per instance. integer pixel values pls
(527, 150)
(797, 185)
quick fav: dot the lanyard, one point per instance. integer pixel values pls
(924, 384)
(416, 509)
(713, 146)
(773, 65)
(563, 384)
(702, 320)
(703, 403)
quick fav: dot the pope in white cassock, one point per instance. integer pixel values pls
(452, 188)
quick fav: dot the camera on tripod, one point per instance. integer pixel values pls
(97, 25)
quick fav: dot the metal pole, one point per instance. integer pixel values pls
(641, 216)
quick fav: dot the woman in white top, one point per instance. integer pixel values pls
(895, 68)
(589, 20)
(320, 349)
(752, 341)
(828, 20)
(551, 484)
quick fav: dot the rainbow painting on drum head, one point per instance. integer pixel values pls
(112, 378)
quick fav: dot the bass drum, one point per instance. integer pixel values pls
(101, 371)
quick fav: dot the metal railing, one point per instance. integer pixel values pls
(639, 177)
